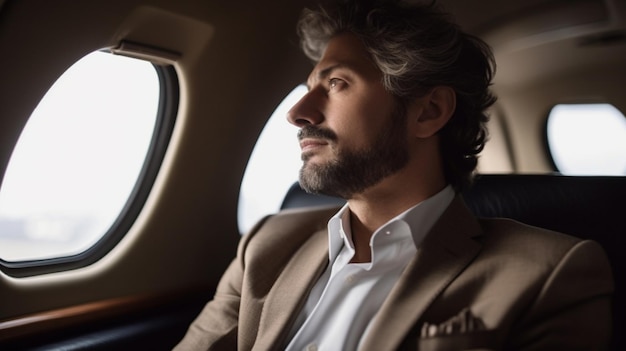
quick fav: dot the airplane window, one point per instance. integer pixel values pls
(78, 158)
(587, 139)
(273, 166)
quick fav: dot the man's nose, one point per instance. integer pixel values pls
(306, 111)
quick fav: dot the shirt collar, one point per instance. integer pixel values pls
(419, 219)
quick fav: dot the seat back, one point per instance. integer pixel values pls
(586, 207)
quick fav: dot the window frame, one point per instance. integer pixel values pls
(169, 91)
(546, 141)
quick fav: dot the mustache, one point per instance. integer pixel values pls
(310, 131)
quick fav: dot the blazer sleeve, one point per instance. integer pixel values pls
(573, 309)
(216, 327)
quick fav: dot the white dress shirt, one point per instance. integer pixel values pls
(345, 299)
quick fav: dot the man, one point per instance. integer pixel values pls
(393, 122)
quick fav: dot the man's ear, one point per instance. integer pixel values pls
(432, 111)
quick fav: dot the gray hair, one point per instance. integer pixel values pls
(417, 47)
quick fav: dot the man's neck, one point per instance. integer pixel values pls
(375, 207)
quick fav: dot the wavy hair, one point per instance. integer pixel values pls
(418, 47)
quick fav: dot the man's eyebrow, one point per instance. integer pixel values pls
(324, 73)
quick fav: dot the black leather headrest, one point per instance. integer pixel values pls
(588, 207)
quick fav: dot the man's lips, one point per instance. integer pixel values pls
(309, 144)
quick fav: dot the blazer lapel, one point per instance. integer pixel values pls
(443, 255)
(284, 301)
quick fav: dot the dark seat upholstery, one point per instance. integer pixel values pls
(586, 207)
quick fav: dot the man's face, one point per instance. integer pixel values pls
(353, 134)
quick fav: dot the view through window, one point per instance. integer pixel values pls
(78, 158)
(273, 166)
(587, 139)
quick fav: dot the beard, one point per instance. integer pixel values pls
(353, 171)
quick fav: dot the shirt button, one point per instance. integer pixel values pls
(350, 279)
(311, 347)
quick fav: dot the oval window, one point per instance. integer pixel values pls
(78, 158)
(587, 139)
(273, 166)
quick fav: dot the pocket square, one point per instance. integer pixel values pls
(461, 332)
(464, 322)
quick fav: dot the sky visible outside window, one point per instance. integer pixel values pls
(78, 157)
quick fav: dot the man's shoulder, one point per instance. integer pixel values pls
(506, 228)
(291, 226)
(526, 242)
(309, 218)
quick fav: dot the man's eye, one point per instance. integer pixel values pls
(335, 83)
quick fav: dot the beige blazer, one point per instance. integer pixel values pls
(530, 288)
